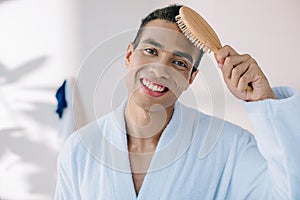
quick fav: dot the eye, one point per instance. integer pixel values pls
(180, 64)
(150, 51)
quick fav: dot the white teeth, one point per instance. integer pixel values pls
(151, 86)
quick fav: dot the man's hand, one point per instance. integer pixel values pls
(243, 76)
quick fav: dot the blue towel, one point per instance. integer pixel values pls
(61, 99)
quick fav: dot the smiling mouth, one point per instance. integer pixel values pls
(152, 86)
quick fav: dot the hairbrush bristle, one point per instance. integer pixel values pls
(190, 35)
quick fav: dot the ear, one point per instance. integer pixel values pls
(128, 54)
(192, 78)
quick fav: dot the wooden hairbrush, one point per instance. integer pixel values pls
(197, 30)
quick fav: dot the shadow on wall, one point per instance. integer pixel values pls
(14, 75)
(3, 1)
(16, 138)
(37, 154)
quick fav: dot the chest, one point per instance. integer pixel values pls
(139, 164)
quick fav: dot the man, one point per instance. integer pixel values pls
(151, 147)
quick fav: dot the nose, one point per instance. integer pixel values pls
(160, 68)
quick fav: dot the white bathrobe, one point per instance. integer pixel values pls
(197, 157)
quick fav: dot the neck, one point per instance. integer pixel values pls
(145, 126)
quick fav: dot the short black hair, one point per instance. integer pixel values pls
(167, 13)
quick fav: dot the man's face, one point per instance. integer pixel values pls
(159, 68)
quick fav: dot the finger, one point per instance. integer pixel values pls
(248, 77)
(237, 72)
(230, 69)
(238, 59)
(225, 52)
(227, 68)
(229, 63)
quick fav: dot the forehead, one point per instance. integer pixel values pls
(169, 36)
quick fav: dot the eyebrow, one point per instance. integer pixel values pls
(153, 42)
(177, 53)
(185, 55)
